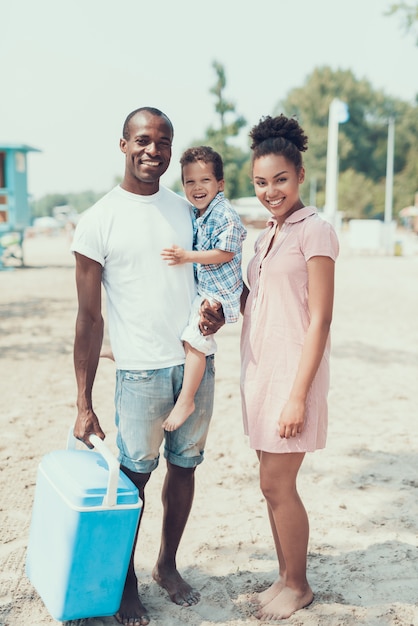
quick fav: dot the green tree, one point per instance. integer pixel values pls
(350, 204)
(236, 161)
(223, 107)
(409, 13)
(362, 144)
(45, 205)
(79, 202)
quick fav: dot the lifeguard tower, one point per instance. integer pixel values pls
(14, 205)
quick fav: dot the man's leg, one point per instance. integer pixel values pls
(131, 610)
(183, 451)
(177, 498)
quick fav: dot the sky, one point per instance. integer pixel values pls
(72, 70)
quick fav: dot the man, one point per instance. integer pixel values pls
(118, 242)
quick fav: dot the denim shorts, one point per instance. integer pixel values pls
(143, 400)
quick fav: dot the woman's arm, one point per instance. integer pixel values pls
(320, 301)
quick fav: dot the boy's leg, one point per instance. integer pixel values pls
(194, 368)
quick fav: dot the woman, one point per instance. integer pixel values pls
(285, 349)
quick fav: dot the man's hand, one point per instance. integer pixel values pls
(211, 318)
(87, 424)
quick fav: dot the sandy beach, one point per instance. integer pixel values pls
(361, 492)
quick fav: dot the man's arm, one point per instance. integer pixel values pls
(87, 344)
(244, 295)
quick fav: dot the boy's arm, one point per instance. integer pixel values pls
(176, 256)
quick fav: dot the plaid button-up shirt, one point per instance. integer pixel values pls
(220, 228)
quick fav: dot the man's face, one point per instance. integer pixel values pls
(147, 152)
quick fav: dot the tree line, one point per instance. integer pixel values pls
(362, 145)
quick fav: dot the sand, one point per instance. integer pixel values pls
(360, 492)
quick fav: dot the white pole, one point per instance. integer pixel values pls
(389, 183)
(332, 165)
(389, 171)
(338, 114)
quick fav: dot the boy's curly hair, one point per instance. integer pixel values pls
(205, 154)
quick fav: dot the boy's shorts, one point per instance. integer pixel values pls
(192, 334)
(143, 400)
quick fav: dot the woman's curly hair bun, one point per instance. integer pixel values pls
(279, 127)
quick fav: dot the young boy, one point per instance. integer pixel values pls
(217, 254)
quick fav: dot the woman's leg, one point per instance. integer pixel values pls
(290, 526)
(264, 597)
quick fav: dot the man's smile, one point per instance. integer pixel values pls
(149, 163)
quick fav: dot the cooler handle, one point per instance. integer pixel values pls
(109, 498)
(112, 485)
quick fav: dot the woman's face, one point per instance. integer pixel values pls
(276, 184)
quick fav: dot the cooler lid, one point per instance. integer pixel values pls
(82, 478)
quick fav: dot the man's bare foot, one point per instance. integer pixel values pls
(180, 592)
(182, 410)
(131, 611)
(287, 602)
(266, 596)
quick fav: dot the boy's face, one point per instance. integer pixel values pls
(200, 184)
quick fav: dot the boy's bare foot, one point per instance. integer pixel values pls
(131, 611)
(266, 596)
(287, 602)
(182, 410)
(180, 592)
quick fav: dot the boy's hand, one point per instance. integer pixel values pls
(174, 255)
(211, 317)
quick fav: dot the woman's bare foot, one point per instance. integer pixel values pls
(182, 410)
(266, 596)
(131, 611)
(180, 592)
(287, 602)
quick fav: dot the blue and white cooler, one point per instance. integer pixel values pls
(84, 519)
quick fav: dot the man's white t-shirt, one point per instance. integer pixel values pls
(148, 301)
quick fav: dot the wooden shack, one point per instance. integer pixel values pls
(15, 215)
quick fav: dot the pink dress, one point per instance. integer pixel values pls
(276, 319)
